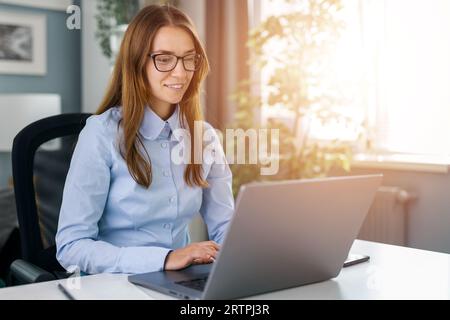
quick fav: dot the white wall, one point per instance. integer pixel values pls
(428, 221)
(95, 66)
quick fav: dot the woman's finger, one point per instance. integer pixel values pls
(215, 245)
(210, 244)
(212, 252)
(207, 256)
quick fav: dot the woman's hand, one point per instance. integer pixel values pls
(195, 253)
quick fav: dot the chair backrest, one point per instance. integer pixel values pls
(41, 157)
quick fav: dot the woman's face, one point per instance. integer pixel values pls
(168, 88)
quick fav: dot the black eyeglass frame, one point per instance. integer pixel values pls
(197, 56)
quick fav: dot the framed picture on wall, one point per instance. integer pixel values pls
(23, 43)
(44, 4)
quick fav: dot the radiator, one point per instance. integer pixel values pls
(387, 218)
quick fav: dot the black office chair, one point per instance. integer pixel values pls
(41, 157)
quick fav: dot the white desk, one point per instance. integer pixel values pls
(392, 273)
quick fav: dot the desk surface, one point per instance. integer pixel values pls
(392, 273)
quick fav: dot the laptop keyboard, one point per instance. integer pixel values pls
(196, 284)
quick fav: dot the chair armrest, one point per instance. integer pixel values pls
(23, 272)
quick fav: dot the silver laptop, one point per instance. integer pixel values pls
(283, 234)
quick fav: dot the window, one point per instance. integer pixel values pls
(393, 59)
(411, 96)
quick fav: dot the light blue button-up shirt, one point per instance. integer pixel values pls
(109, 223)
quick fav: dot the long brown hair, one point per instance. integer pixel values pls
(129, 88)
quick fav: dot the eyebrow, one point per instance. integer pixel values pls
(171, 52)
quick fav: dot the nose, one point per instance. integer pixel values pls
(179, 70)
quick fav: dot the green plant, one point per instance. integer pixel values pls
(113, 13)
(299, 42)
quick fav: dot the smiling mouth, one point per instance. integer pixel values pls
(174, 86)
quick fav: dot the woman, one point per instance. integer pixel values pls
(126, 206)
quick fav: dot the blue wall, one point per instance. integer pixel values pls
(63, 70)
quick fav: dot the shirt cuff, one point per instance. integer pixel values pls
(165, 260)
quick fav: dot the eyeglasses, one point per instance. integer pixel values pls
(167, 62)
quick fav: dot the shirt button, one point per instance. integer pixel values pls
(166, 174)
(166, 225)
(164, 145)
(172, 199)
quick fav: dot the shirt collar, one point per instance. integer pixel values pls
(152, 125)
